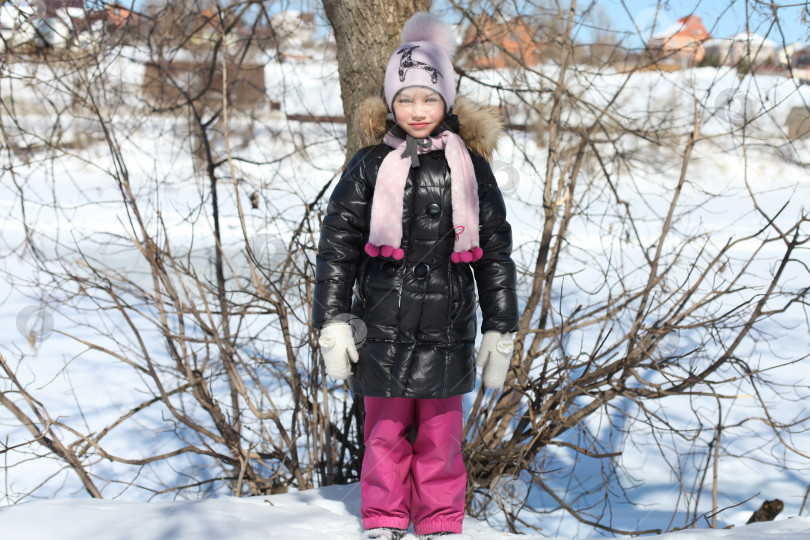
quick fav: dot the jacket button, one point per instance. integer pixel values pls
(421, 270)
(433, 209)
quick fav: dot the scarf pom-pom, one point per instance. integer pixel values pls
(467, 256)
(386, 251)
(372, 250)
(395, 253)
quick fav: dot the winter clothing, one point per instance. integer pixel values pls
(419, 312)
(338, 347)
(494, 355)
(424, 59)
(423, 483)
(432, 208)
(386, 207)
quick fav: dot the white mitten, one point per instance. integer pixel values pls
(494, 356)
(337, 347)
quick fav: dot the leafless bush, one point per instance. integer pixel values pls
(630, 310)
(199, 277)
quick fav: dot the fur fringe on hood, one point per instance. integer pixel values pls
(479, 126)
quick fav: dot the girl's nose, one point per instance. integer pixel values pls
(419, 109)
(420, 106)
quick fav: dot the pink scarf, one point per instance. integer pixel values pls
(386, 207)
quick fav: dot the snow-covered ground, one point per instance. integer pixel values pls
(330, 512)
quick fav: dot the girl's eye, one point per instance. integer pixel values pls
(432, 100)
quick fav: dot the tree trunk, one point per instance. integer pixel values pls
(366, 32)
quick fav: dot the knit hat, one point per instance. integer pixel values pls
(423, 59)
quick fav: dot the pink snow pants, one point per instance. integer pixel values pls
(423, 483)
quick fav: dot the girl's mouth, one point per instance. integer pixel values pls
(419, 126)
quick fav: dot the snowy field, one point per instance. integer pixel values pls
(330, 512)
(83, 386)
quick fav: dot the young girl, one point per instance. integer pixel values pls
(413, 218)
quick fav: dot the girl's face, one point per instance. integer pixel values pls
(418, 111)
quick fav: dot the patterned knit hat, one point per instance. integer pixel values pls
(423, 59)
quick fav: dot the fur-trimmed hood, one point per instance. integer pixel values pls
(479, 126)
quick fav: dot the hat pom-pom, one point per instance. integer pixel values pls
(424, 26)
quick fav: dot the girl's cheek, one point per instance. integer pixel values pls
(400, 116)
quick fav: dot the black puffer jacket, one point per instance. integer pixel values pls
(418, 314)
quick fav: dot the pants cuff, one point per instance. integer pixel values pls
(385, 521)
(430, 526)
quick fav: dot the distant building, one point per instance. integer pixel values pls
(800, 64)
(784, 53)
(60, 24)
(495, 43)
(755, 47)
(745, 46)
(681, 43)
(168, 84)
(208, 30)
(118, 16)
(41, 24)
(112, 17)
(294, 28)
(53, 7)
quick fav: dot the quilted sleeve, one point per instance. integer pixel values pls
(343, 234)
(495, 273)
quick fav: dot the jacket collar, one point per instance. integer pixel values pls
(479, 126)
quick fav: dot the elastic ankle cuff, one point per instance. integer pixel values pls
(385, 521)
(430, 526)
